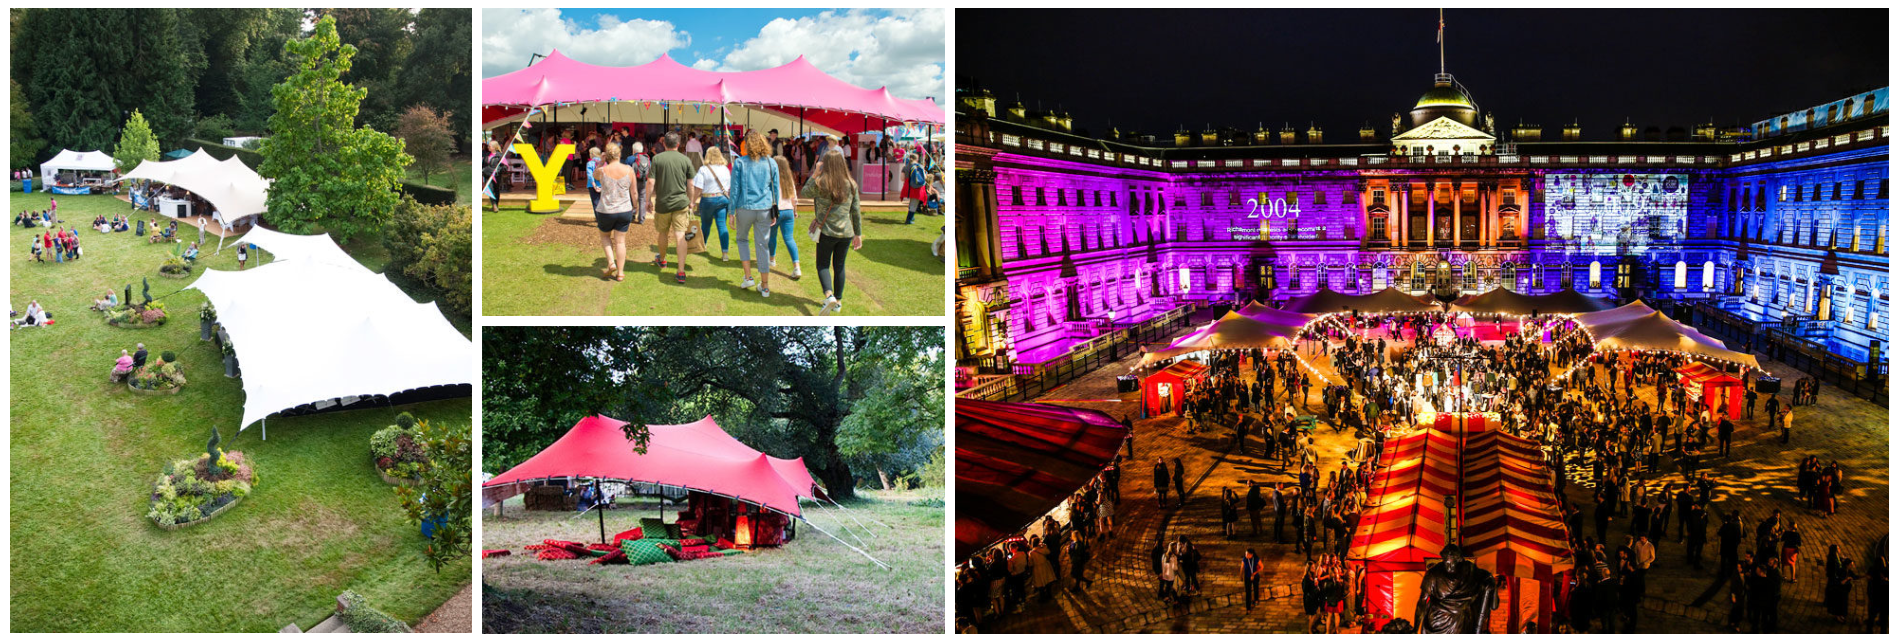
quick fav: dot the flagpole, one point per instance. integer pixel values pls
(1440, 49)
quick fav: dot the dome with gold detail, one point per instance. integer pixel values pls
(1445, 99)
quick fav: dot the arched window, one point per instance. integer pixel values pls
(1705, 280)
(1593, 274)
(1678, 276)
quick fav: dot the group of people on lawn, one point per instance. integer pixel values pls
(127, 363)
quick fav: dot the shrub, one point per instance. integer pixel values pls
(174, 266)
(362, 618)
(205, 312)
(168, 356)
(434, 246)
(405, 420)
(162, 375)
(152, 316)
(397, 451)
(216, 127)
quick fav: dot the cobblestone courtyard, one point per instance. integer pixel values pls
(1759, 476)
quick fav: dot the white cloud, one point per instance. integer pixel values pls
(903, 50)
(511, 36)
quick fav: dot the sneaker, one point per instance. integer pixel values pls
(829, 306)
(766, 293)
(748, 282)
(773, 262)
(798, 273)
(724, 257)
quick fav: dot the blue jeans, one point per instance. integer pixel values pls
(785, 227)
(714, 208)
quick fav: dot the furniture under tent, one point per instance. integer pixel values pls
(1165, 390)
(235, 193)
(77, 172)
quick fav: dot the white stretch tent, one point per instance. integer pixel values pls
(230, 186)
(70, 160)
(315, 326)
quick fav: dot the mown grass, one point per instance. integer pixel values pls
(84, 453)
(458, 177)
(893, 274)
(812, 584)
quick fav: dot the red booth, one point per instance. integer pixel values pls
(1165, 389)
(1707, 385)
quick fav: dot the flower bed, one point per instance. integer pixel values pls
(162, 377)
(194, 490)
(398, 455)
(174, 268)
(126, 316)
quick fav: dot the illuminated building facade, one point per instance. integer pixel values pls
(1062, 237)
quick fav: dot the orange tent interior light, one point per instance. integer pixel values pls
(743, 536)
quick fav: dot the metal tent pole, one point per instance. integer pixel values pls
(602, 511)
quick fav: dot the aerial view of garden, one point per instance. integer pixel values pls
(220, 229)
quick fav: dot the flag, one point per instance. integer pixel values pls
(1440, 23)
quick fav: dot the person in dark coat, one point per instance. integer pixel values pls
(1254, 506)
(1178, 479)
(1839, 578)
(1696, 521)
(1161, 480)
(1730, 535)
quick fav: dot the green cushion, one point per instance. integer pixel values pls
(672, 531)
(732, 551)
(644, 551)
(654, 528)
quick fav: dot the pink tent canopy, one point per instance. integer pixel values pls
(796, 89)
(697, 456)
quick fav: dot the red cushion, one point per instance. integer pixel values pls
(569, 546)
(725, 544)
(495, 553)
(691, 542)
(635, 533)
(614, 557)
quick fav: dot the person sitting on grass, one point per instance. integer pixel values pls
(122, 368)
(191, 253)
(26, 219)
(120, 224)
(105, 303)
(35, 316)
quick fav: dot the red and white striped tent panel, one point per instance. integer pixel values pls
(1405, 522)
(1511, 523)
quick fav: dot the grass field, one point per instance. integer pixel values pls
(812, 584)
(547, 265)
(84, 453)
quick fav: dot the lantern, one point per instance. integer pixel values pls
(743, 535)
(1184, 280)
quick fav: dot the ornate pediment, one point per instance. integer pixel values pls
(1443, 128)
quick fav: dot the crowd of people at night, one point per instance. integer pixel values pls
(1642, 461)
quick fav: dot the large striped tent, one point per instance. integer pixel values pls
(1508, 520)
(1015, 463)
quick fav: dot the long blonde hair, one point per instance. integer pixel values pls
(787, 185)
(714, 156)
(834, 178)
(756, 146)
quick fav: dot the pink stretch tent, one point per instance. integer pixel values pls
(796, 89)
(697, 456)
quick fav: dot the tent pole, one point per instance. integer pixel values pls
(602, 514)
(265, 425)
(838, 505)
(844, 526)
(845, 543)
(852, 517)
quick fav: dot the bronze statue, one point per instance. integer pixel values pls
(1456, 596)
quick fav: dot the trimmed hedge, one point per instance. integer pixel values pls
(250, 158)
(422, 193)
(427, 194)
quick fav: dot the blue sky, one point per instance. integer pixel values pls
(902, 49)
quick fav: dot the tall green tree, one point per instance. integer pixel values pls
(330, 175)
(537, 381)
(439, 72)
(383, 39)
(23, 143)
(136, 144)
(265, 63)
(85, 70)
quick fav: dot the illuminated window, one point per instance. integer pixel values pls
(1378, 228)
(1705, 280)
(1784, 190)
(1593, 275)
(1678, 276)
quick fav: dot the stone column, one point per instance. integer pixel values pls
(1431, 229)
(1455, 220)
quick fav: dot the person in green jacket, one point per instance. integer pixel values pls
(836, 226)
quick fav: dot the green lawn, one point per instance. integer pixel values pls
(84, 453)
(544, 265)
(459, 177)
(812, 584)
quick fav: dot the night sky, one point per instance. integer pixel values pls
(1152, 71)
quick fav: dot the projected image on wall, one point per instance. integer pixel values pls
(1607, 213)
